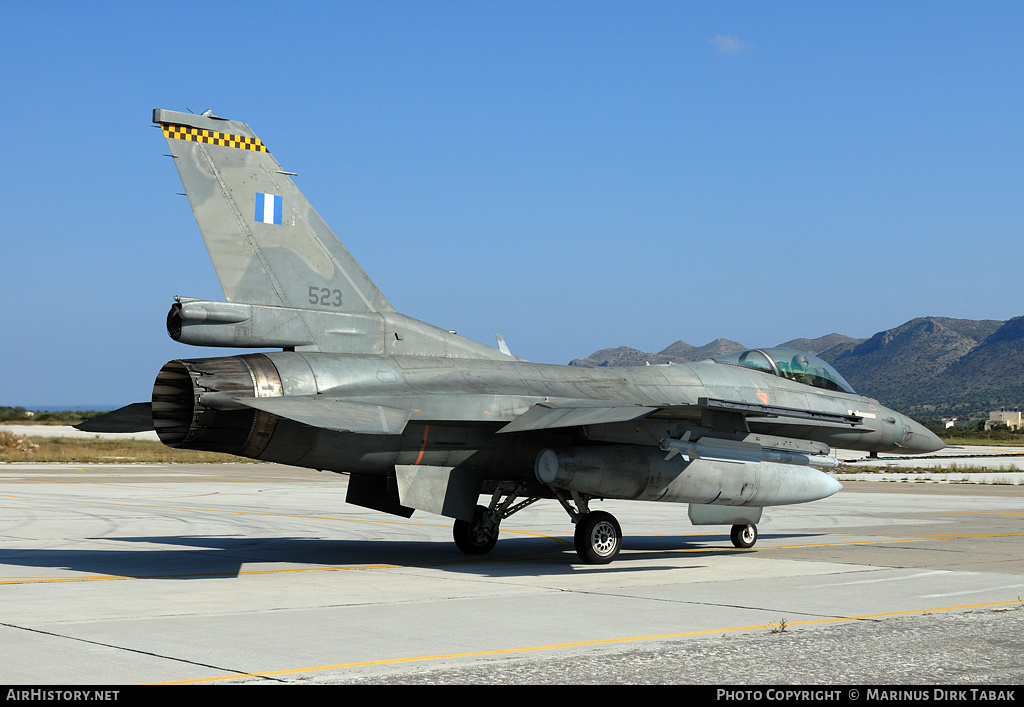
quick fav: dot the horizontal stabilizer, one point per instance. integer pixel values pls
(334, 414)
(137, 417)
(547, 415)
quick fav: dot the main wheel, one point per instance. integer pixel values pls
(478, 536)
(598, 538)
(744, 535)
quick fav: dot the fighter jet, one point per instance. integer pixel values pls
(421, 418)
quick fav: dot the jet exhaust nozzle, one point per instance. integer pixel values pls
(195, 404)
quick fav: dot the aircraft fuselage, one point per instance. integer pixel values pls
(460, 406)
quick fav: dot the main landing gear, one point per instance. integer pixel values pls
(598, 537)
(479, 535)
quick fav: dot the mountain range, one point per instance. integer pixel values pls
(930, 367)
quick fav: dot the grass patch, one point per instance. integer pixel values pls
(21, 416)
(1007, 441)
(103, 451)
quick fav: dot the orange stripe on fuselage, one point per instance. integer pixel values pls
(426, 429)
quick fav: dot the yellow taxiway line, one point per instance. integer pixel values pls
(575, 644)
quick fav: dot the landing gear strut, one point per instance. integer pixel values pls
(479, 535)
(598, 537)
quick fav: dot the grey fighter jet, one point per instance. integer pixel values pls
(421, 418)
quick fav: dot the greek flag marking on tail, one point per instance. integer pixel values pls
(269, 208)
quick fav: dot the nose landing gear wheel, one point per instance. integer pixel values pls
(744, 536)
(598, 538)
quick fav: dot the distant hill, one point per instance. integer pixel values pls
(930, 367)
(679, 352)
(902, 366)
(833, 344)
(991, 375)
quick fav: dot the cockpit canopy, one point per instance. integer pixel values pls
(789, 363)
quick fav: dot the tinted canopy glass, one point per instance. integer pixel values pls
(788, 363)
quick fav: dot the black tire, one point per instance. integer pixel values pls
(744, 536)
(474, 537)
(598, 538)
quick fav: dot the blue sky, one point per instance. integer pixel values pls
(572, 175)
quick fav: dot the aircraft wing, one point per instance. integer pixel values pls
(594, 412)
(389, 414)
(548, 415)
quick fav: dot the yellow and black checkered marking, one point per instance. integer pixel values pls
(209, 137)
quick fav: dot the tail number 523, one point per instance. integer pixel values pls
(324, 297)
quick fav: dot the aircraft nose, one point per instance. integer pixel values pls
(918, 439)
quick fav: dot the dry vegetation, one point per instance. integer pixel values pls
(101, 451)
(10, 442)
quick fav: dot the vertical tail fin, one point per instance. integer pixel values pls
(268, 245)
